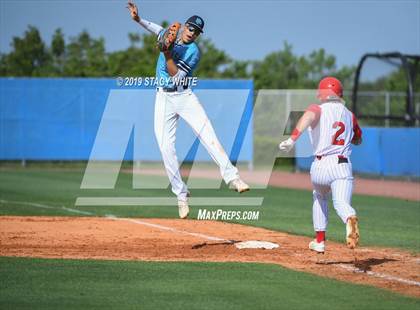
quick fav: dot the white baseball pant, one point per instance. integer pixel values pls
(327, 175)
(169, 106)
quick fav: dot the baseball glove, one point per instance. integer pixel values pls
(167, 38)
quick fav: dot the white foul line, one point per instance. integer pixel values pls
(379, 275)
(110, 216)
(38, 205)
(169, 201)
(76, 211)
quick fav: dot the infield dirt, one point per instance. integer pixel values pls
(191, 240)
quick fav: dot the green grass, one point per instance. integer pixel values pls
(383, 221)
(75, 284)
(52, 284)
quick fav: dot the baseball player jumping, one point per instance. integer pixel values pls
(332, 129)
(178, 58)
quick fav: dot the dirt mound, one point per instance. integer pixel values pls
(191, 240)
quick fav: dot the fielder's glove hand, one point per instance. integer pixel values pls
(167, 38)
(286, 145)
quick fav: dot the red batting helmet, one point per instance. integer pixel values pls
(329, 88)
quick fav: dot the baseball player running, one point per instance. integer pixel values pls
(332, 129)
(178, 58)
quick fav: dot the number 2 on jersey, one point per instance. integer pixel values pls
(342, 127)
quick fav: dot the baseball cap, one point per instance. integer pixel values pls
(196, 21)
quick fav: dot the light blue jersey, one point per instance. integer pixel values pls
(185, 56)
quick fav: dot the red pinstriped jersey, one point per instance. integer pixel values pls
(333, 130)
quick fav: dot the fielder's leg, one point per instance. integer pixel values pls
(165, 130)
(194, 114)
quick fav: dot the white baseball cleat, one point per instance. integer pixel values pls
(352, 232)
(239, 185)
(318, 247)
(183, 209)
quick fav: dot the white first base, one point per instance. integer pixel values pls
(253, 244)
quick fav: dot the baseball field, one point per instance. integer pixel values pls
(58, 255)
(210, 155)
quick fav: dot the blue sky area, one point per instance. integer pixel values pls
(244, 29)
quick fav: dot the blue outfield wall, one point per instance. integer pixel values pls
(60, 119)
(384, 151)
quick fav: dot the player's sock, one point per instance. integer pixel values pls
(320, 236)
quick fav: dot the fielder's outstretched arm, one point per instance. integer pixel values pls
(149, 26)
